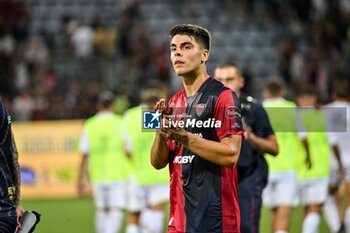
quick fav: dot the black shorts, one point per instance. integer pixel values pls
(8, 224)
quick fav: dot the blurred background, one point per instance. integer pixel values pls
(57, 55)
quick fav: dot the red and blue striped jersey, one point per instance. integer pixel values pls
(203, 195)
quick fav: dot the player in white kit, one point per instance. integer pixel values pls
(338, 119)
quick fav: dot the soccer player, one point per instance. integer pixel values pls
(338, 118)
(10, 181)
(314, 169)
(260, 139)
(102, 147)
(148, 191)
(280, 194)
(200, 140)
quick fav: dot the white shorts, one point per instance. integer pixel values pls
(281, 191)
(109, 195)
(140, 197)
(313, 191)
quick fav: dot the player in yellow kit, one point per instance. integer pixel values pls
(148, 189)
(102, 147)
(280, 194)
(314, 169)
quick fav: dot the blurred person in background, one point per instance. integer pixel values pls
(104, 39)
(10, 181)
(202, 159)
(338, 118)
(259, 139)
(102, 147)
(280, 194)
(148, 189)
(23, 105)
(82, 41)
(314, 168)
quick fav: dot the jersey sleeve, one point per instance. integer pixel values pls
(228, 111)
(263, 128)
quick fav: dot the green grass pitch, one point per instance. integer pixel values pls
(77, 216)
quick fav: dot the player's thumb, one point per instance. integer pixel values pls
(171, 108)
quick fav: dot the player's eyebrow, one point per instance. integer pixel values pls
(182, 44)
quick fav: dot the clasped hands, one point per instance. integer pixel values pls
(169, 129)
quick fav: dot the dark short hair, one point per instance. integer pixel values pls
(307, 91)
(200, 34)
(153, 91)
(151, 96)
(341, 88)
(106, 98)
(238, 68)
(274, 86)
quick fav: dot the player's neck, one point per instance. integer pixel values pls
(193, 83)
(238, 93)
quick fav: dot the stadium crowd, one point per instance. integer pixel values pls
(29, 82)
(314, 49)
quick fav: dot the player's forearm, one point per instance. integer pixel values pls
(82, 167)
(336, 153)
(159, 152)
(307, 151)
(266, 145)
(223, 153)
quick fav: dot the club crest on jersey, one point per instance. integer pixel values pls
(200, 109)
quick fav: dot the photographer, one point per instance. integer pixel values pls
(259, 139)
(10, 209)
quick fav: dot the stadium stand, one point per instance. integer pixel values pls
(263, 36)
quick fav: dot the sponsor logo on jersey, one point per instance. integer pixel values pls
(183, 159)
(199, 134)
(11, 192)
(231, 112)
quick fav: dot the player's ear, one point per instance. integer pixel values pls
(205, 55)
(241, 82)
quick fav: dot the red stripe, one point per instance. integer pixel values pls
(226, 102)
(177, 221)
(230, 207)
(177, 200)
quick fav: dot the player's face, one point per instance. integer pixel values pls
(230, 78)
(187, 55)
